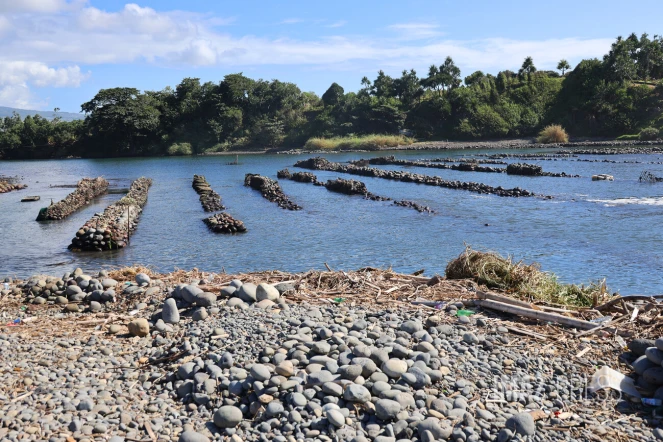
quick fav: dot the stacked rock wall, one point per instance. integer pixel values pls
(86, 190)
(271, 190)
(111, 229)
(6, 186)
(209, 199)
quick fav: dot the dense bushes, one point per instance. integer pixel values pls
(648, 134)
(180, 149)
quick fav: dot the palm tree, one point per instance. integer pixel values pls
(563, 65)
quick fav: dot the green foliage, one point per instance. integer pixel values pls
(619, 94)
(333, 95)
(648, 134)
(633, 137)
(180, 149)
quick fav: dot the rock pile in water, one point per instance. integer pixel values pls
(86, 190)
(270, 190)
(349, 187)
(209, 199)
(319, 163)
(462, 167)
(224, 223)
(524, 169)
(111, 229)
(6, 186)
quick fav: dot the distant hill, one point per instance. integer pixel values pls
(66, 116)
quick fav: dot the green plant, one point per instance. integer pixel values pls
(648, 134)
(630, 137)
(180, 149)
(553, 134)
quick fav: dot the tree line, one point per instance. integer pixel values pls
(620, 94)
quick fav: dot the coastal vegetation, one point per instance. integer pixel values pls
(365, 142)
(553, 134)
(523, 281)
(620, 94)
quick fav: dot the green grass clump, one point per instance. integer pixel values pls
(523, 281)
(365, 142)
(180, 149)
(553, 134)
(629, 137)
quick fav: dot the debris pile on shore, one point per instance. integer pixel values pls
(270, 190)
(111, 229)
(86, 190)
(322, 355)
(224, 223)
(319, 163)
(6, 186)
(209, 199)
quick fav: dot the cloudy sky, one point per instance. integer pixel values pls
(59, 53)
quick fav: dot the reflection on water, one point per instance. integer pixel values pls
(590, 230)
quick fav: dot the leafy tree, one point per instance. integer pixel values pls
(563, 66)
(527, 69)
(333, 95)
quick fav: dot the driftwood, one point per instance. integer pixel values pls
(543, 316)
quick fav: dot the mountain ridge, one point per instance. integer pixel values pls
(65, 116)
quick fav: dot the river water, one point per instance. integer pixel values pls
(590, 230)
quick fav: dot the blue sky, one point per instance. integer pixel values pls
(59, 53)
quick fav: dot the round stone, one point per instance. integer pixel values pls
(394, 368)
(169, 312)
(139, 327)
(192, 436)
(266, 291)
(335, 418)
(521, 423)
(357, 393)
(228, 417)
(260, 372)
(386, 409)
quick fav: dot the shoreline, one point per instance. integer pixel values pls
(182, 352)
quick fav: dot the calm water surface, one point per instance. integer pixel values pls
(589, 230)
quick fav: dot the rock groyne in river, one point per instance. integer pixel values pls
(348, 187)
(319, 163)
(271, 190)
(209, 199)
(224, 223)
(86, 190)
(6, 186)
(111, 229)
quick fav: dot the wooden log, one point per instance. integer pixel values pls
(543, 316)
(506, 300)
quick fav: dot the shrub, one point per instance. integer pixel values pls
(180, 149)
(648, 134)
(553, 134)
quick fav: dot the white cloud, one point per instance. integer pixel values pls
(415, 31)
(39, 5)
(338, 24)
(74, 34)
(17, 76)
(291, 21)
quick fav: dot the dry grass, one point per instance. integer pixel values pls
(553, 134)
(367, 142)
(524, 281)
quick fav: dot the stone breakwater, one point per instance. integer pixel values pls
(616, 151)
(526, 169)
(111, 229)
(218, 357)
(319, 163)
(224, 223)
(86, 190)
(348, 187)
(511, 169)
(462, 167)
(209, 199)
(6, 186)
(270, 190)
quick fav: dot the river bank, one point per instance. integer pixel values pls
(189, 356)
